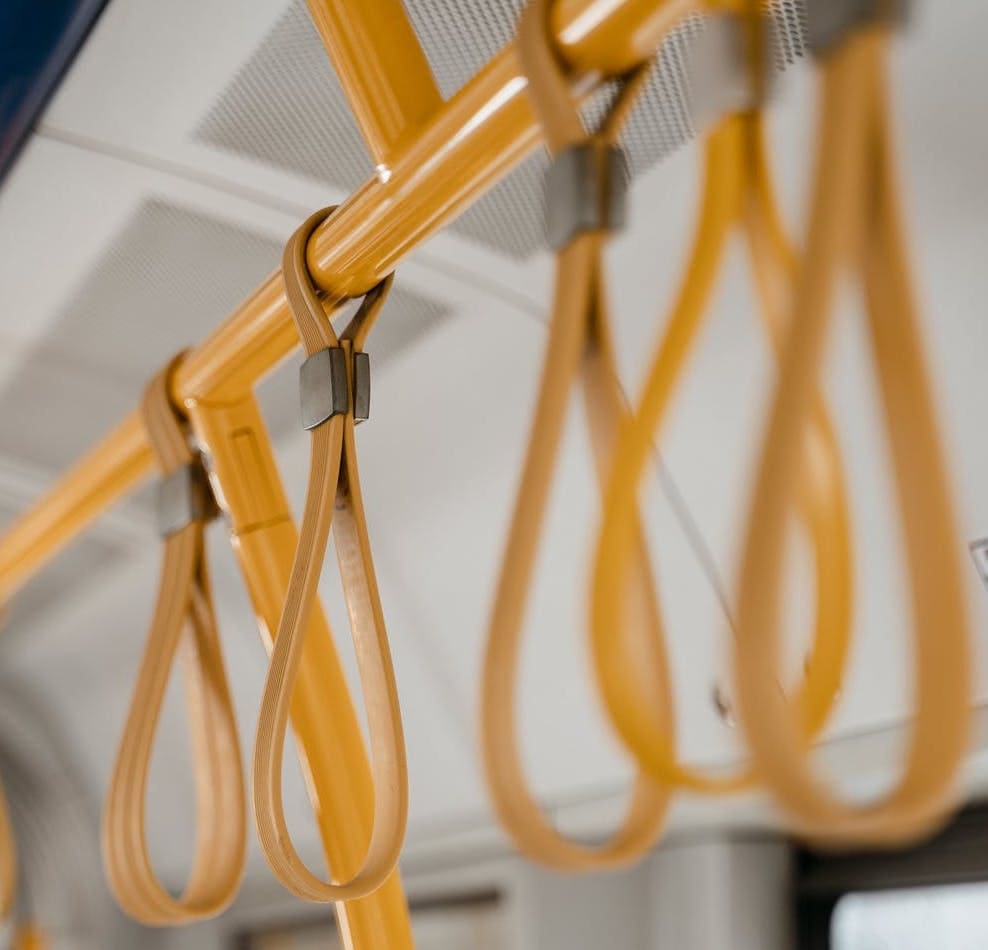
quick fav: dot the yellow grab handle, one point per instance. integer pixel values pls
(333, 500)
(578, 347)
(8, 860)
(855, 218)
(29, 937)
(737, 191)
(184, 606)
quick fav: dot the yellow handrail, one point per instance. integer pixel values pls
(435, 158)
(330, 743)
(468, 145)
(8, 861)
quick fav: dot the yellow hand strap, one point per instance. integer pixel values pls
(26, 936)
(578, 346)
(184, 604)
(855, 219)
(333, 484)
(737, 192)
(29, 937)
(8, 861)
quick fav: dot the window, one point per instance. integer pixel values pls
(954, 917)
(933, 896)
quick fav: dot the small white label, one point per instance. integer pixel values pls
(979, 551)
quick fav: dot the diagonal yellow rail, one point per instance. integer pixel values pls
(381, 66)
(433, 160)
(468, 145)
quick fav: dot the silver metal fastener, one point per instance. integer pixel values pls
(585, 188)
(184, 496)
(830, 22)
(323, 387)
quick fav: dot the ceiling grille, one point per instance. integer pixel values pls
(170, 276)
(74, 569)
(285, 107)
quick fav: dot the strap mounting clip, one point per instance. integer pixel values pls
(830, 22)
(324, 390)
(184, 496)
(586, 189)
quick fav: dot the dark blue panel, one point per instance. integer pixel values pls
(38, 39)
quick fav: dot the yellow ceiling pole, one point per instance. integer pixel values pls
(329, 740)
(470, 143)
(29, 937)
(111, 469)
(381, 67)
(8, 861)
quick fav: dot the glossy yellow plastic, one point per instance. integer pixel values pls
(29, 937)
(329, 739)
(8, 861)
(465, 148)
(437, 158)
(856, 229)
(737, 194)
(114, 467)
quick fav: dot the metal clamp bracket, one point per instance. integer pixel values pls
(586, 190)
(361, 386)
(720, 76)
(184, 496)
(830, 22)
(324, 390)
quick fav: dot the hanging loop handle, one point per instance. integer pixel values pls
(8, 861)
(737, 194)
(335, 388)
(587, 177)
(184, 604)
(855, 222)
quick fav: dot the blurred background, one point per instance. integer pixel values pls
(183, 144)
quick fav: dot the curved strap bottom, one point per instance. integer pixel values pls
(736, 193)
(29, 937)
(578, 348)
(855, 172)
(184, 604)
(333, 500)
(8, 861)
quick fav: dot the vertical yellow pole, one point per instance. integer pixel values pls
(329, 739)
(29, 937)
(381, 67)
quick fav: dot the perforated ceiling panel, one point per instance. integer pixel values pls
(459, 36)
(789, 31)
(73, 570)
(170, 276)
(285, 107)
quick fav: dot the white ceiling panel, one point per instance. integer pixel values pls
(230, 76)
